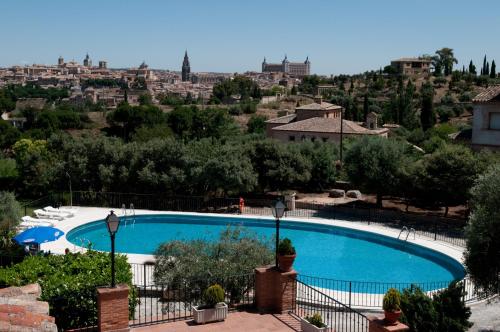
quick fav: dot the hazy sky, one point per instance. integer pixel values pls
(348, 36)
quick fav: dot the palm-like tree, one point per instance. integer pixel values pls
(445, 59)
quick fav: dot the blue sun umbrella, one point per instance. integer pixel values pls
(38, 235)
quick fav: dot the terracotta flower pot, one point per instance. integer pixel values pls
(392, 317)
(285, 262)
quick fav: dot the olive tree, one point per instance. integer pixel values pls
(196, 264)
(482, 255)
(374, 164)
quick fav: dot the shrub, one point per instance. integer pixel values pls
(392, 300)
(69, 283)
(418, 311)
(213, 295)
(316, 320)
(285, 247)
(444, 312)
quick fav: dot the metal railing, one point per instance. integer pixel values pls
(447, 230)
(367, 294)
(336, 315)
(169, 302)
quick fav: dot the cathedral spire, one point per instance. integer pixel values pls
(186, 68)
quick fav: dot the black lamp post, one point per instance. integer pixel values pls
(278, 211)
(113, 222)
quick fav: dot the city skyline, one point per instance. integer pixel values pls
(224, 36)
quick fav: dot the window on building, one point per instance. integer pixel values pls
(291, 138)
(325, 139)
(494, 121)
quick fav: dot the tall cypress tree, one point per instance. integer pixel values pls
(366, 106)
(472, 68)
(483, 70)
(487, 70)
(427, 116)
(493, 71)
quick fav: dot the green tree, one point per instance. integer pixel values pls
(8, 173)
(196, 264)
(446, 59)
(472, 68)
(257, 124)
(482, 255)
(493, 72)
(10, 215)
(145, 99)
(427, 114)
(293, 92)
(447, 175)
(8, 134)
(483, 68)
(374, 164)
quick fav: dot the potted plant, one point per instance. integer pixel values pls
(312, 323)
(286, 255)
(391, 305)
(213, 309)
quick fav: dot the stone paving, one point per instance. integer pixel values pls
(486, 316)
(236, 321)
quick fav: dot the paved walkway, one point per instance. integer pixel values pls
(486, 316)
(236, 321)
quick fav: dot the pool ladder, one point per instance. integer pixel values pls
(131, 213)
(408, 232)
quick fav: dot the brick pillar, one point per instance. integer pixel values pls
(112, 308)
(275, 291)
(377, 324)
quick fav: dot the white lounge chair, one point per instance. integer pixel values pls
(50, 215)
(64, 212)
(30, 224)
(36, 220)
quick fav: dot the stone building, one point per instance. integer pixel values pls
(411, 66)
(486, 119)
(319, 121)
(298, 69)
(186, 68)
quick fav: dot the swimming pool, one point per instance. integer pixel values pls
(323, 251)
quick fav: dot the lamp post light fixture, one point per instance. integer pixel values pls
(278, 211)
(113, 222)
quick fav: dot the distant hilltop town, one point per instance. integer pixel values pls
(199, 85)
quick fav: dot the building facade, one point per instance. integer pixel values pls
(318, 121)
(486, 119)
(411, 66)
(186, 68)
(298, 69)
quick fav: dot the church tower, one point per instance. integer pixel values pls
(87, 62)
(186, 68)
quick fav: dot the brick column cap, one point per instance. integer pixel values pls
(119, 290)
(272, 268)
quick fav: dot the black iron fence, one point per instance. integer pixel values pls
(175, 301)
(367, 294)
(336, 315)
(448, 230)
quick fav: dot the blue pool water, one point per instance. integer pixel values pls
(322, 251)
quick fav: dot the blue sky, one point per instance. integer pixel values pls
(347, 36)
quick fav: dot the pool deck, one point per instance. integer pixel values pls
(88, 214)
